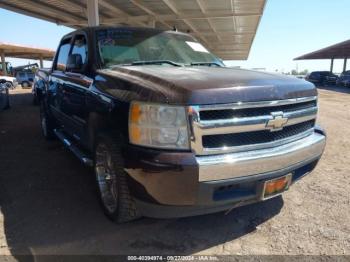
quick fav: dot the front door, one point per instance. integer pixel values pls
(74, 90)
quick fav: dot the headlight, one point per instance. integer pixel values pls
(159, 126)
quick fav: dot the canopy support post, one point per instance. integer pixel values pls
(344, 66)
(4, 71)
(332, 62)
(92, 13)
(41, 61)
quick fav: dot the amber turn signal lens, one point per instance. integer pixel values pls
(270, 188)
(135, 133)
(276, 186)
(135, 113)
(280, 184)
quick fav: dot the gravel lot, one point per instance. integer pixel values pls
(48, 203)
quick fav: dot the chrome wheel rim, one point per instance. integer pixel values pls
(106, 178)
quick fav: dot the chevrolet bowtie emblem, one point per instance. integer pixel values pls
(277, 122)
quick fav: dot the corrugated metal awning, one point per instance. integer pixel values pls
(337, 51)
(226, 27)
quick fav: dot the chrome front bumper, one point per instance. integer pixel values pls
(241, 164)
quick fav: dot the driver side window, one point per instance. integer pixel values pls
(80, 48)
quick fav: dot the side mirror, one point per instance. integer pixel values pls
(74, 63)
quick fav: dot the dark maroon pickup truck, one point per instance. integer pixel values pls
(169, 130)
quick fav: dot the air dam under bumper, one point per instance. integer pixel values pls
(168, 184)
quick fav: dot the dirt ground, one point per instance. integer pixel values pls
(48, 203)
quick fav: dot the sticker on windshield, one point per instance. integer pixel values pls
(197, 47)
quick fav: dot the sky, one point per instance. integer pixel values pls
(288, 29)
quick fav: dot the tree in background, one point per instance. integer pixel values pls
(295, 72)
(304, 72)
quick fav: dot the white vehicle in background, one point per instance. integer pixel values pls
(4, 96)
(9, 81)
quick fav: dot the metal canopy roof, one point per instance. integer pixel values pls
(337, 51)
(226, 27)
(27, 52)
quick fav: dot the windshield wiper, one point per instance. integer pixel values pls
(155, 62)
(206, 64)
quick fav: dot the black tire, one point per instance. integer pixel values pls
(7, 106)
(9, 85)
(35, 100)
(46, 123)
(25, 84)
(111, 180)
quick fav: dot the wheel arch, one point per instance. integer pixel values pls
(99, 123)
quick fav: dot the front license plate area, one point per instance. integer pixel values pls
(276, 186)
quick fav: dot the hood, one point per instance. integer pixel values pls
(203, 85)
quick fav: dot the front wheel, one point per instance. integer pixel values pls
(111, 179)
(9, 85)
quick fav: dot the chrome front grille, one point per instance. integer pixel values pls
(217, 129)
(252, 112)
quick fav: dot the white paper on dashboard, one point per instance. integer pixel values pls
(197, 47)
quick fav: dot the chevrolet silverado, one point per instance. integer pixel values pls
(169, 129)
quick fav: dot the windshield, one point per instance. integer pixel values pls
(128, 46)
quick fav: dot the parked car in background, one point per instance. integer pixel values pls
(322, 78)
(10, 82)
(344, 79)
(4, 96)
(25, 79)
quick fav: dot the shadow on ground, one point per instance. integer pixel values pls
(339, 89)
(49, 205)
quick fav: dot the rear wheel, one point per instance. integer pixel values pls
(7, 105)
(111, 179)
(25, 85)
(35, 100)
(47, 124)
